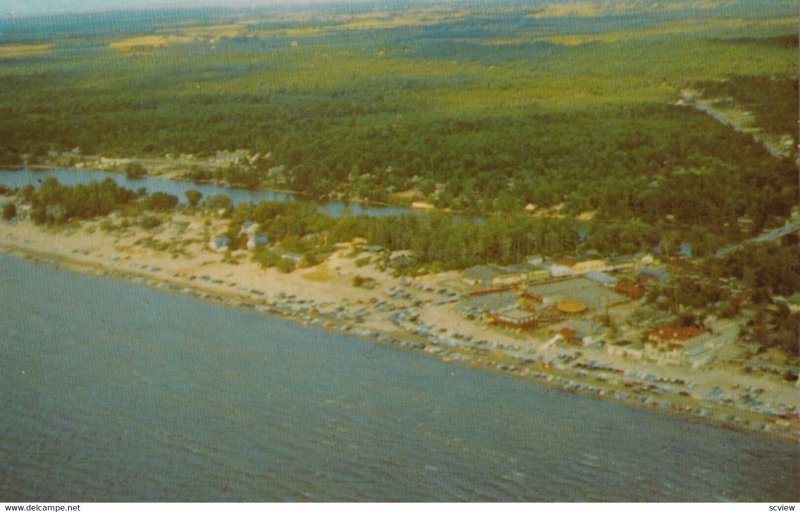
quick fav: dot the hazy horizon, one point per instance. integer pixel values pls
(43, 7)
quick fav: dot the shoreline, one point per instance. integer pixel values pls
(352, 314)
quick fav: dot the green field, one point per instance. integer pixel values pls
(484, 108)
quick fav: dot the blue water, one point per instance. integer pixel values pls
(112, 391)
(22, 177)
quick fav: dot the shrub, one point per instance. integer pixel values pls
(9, 211)
(285, 265)
(193, 197)
(161, 201)
(267, 258)
(134, 170)
(150, 222)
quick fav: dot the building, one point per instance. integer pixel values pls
(534, 260)
(373, 248)
(632, 290)
(584, 332)
(592, 295)
(539, 274)
(600, 277)
(663, 353)
(481, 274)
(703, 348)
(515, 318)
(651, 273)
(257, 240)
(671, 345)
(560, 271)
(571, 307)
(248, 227)
(668, 333)
(219, 243)
(510, 276)
(584, 266)
(627, 349)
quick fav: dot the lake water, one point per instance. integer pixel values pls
(111, 391)
(22, 177)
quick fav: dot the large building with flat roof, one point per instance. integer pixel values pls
(593, 295)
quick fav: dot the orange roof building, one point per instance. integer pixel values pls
(571, 307)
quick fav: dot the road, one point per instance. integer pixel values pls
(706, 107)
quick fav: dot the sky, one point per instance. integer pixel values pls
(22, 7)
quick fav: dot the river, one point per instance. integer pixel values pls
(66, 176)
(111, 391)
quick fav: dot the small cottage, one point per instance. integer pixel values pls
(219, 243)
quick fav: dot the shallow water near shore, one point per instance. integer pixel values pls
(111, 391)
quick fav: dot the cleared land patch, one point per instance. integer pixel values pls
(8, 51)
(149, 41)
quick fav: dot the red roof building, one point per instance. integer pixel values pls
(673, 334)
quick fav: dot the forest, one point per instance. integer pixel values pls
(486, 110)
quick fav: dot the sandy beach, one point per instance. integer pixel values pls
(410, 313)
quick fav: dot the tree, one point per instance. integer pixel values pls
(9, 158)
(285, 265)
(220, 202)
(161, 201)
(39, 215)
(193, 197)
(266, 258)
(134, 171)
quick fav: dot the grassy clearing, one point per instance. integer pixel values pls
(217, 31)
(574, 8)
(10, 51)
(145, 42)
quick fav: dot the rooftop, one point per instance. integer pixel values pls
(482, 273)
(671, 333)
